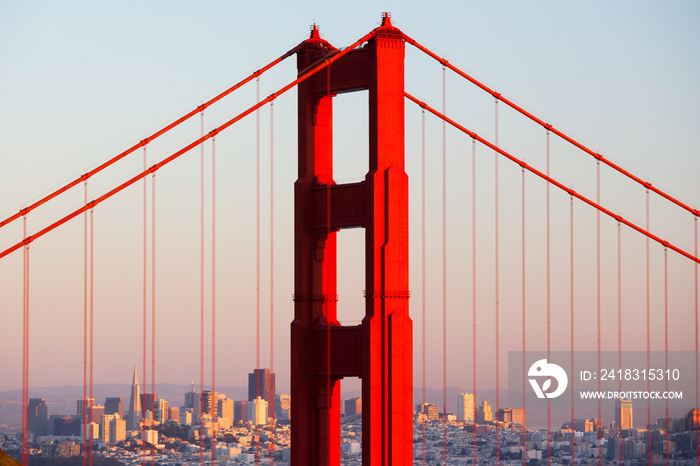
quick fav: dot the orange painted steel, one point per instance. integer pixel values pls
(148, 139)
(549, 127)
(379, 350)
(554, 182)
(314, 69)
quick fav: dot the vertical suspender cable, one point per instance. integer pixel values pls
(600, 412)
(272, 278)
(213, 285)
(201, 301)
(25, 353)
(549, 309)
(619, 327)
(571, 305)
(92, 314)
(145, 293)
(85, 321)
(668, 439)
(328, 320)
(497, 290)
(257, 265)
(522, 273)
(328, 234)
(215, 408)
(422, 258)
(648, 330)
(153, 313)
(444, 272)
(697, 350)
(619, 296)
(25, 436)
(549, 294)
(474, 291)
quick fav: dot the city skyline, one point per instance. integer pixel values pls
(59, 435)
(177, 397)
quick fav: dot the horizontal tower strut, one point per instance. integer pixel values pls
(321, 65)
(148, 139)
(549, 127)
(551, 180)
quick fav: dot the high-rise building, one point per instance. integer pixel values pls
(225, 408)
(209, 404)
(261, 382)
(186, 417)
(584, 425)
(257, 411)
(161, 414)
(117, 430)
(134, 416)
(483, 413)
(431, 411)
(105, 426)
(518, 416)
(37, 416)
(283, 405)
(623, 413)
(64, 426)
(83, 405)
(149, 402)
(240, 411)
(508, 415)
(191, 399)
(93, 412)
(114, 405)
(465, 407)
(353, 406)
(97, 413)
(174, 414)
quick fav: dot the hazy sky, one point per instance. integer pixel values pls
(82, 81)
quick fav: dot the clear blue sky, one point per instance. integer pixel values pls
(82, 81)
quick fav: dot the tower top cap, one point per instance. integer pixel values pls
(314, 32)
(386, 19)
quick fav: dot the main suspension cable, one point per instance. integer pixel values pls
(150, 138)
(550, 127)
(321, 65)
(554, 182)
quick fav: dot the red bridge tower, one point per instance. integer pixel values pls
(380, 350)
